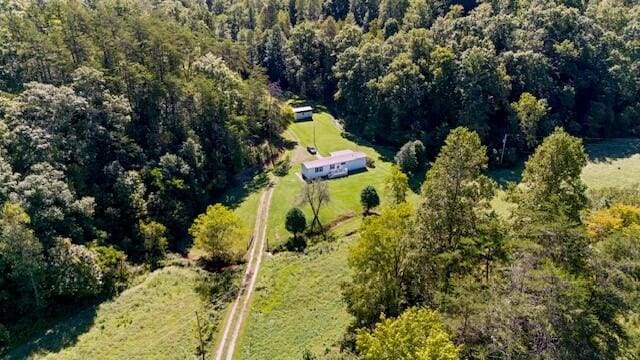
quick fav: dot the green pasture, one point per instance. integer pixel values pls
(153, 320)
(297, 304)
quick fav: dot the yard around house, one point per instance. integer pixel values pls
(344, 192)
(297, 304)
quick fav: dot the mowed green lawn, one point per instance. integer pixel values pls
(153, 320)
(344, 192)
(613, 163)
(297, 304)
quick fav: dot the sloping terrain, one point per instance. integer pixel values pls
(153, 320)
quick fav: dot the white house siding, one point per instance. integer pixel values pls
(356, 164)
(303, 115)
(353, 161)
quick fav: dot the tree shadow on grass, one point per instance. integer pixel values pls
(63, 334)
(386, 153)
(417, 179)
(507, 175)
(612, 149)
(235, 195)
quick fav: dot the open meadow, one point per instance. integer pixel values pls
(297, 304)
(155, 319)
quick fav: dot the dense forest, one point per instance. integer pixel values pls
(558, 279)
(120, 121)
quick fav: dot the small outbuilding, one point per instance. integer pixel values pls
(303, 113)
(339, 164)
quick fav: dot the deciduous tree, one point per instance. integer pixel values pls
(529, 111)
(397, 183)
(215, 230)
(456, 196)
(155, 241)
(316, 195)
(295, 222)
(551, 179)
(417, 334)
(369, 199)
(380, 262)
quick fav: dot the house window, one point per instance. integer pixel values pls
(344, 163)
(318, 169)
(332, 166)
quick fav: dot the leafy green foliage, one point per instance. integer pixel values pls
(397, 183)
(114, 268)
(295, 221)
(455, 206)
(21, 257)
(74, 269)
(551, 179)
(380, 260)
(155, 241)
(215, 230)
(406, 158)
(416, 334)
(529, 112)
(369, 198)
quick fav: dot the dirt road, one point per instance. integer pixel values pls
(238, 312)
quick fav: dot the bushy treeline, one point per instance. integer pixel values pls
(558, 279)
(399, 70)
(119, 124)
(414, 69)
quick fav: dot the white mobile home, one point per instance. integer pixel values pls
(303, 113)
(340, 163)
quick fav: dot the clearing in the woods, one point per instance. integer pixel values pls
(297, 302)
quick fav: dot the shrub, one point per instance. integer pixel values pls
(114, 267)
(411, 156)
(155, 241)
(370, 163)
(216, 230)
(369, 198)
(295, 222)
(282, 167)
(74, 269)
(420, 151)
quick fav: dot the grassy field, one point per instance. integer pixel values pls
(153, 320)
(244, 199)
(344, 192)
(297, 304)
(612, 163)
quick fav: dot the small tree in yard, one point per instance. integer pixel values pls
(155, 241)
(369, 198)
(216, 229)
(397, 183)
(296, 222)
(316, 194)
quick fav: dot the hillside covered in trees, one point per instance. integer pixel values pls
(122, 120)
